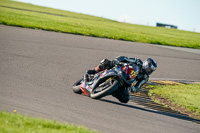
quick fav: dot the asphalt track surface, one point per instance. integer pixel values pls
(38, 69)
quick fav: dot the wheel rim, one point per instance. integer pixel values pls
(101, 88)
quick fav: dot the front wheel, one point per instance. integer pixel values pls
(106, 89)
(76, 87)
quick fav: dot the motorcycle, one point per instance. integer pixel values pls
(108, 81)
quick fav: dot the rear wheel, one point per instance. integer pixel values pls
(106, 88)
(76, 87)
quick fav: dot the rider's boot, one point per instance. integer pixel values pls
(92, 71)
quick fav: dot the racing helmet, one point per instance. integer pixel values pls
(149, 65)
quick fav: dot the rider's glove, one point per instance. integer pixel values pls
(135, 61)
(138, 62)
(119, 59)
(134, 89)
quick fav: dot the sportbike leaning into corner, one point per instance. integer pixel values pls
(115, 78)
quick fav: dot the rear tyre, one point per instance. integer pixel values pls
(102, 91)
(76, 87)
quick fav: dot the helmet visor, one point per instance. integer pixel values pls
(150, 69)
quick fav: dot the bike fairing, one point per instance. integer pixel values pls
(124, 74)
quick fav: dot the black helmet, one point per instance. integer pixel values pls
(149, 65)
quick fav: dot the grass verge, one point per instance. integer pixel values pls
(36, 17)
(182, 98)
(15, 123)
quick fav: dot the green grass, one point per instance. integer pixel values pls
(82, 24)
(15, 123)
(186, 96)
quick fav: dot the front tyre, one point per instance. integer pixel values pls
(107, 89)
(76, 87)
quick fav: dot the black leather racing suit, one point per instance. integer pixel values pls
(141, 78)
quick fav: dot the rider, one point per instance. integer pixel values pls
(146, 68)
